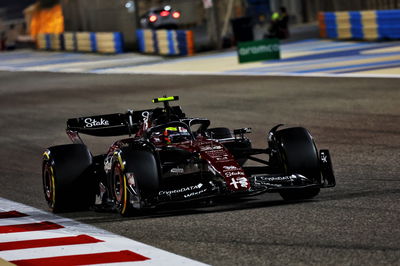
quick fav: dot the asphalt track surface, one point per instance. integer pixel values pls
(356, 223)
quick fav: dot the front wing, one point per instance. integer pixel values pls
(261, 182)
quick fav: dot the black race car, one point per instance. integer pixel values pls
(170, 157)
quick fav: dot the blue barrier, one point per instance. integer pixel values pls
(118, 42)
(389, 24)
(48, 41)
(369, 25)
(356, 25)
(93, 41)
(331, 27)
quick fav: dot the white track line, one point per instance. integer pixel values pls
(205, 73)
(272, 74)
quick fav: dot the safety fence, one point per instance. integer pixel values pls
(361, 25)
(96, 42)
(165, 42)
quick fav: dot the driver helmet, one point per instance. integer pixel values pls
(175, 134)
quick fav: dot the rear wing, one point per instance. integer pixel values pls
(118, 124)
(101, 125)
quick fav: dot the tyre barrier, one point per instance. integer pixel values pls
(43, 42)
(86, 42)
(360, 25)
(109, 42)
(95, 42)
(70, 41)
(56, 42)
(165, 42)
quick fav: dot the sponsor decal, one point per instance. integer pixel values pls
(195, 193)
(231, 168)
(145, 116)
(218, 155)
(94, 123)
(210, 148)
(280, 178)
(181, 190)
(236, 173)
(177, 170)
(260, 49)
(324, 158)
(223, 159)
(240, 182)
(121, 144)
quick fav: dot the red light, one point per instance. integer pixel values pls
(164, 13)
(176, 14)
(153, 18)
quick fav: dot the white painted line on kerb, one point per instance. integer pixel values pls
(109, 242)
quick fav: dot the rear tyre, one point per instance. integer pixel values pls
(68, 181)
(298, 154)
(135, 182)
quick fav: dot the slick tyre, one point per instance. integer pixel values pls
(68, 183)
(298, 154)
(134, 182)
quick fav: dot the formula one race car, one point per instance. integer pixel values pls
(161, 18)
(169, 157)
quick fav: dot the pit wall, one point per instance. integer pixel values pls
(95, 42)
(165, 42)
(360, 25)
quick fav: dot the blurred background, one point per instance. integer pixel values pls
(211, 21)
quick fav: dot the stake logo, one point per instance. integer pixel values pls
(94, 123)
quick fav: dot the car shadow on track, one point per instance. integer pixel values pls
(222, 205)
(181, 209)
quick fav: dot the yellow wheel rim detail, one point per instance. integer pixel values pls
(53, 186)
(125, 192)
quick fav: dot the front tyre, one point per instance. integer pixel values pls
(298, 155)
(135, 180)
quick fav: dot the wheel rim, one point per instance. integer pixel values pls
(118, 185)
(48, 184)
